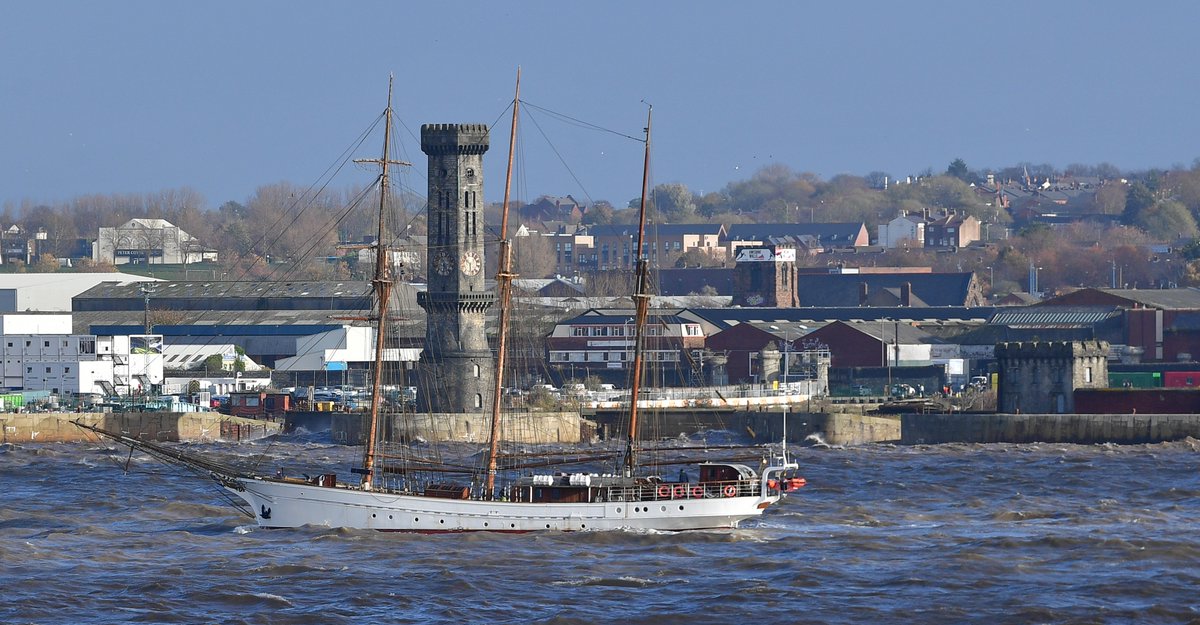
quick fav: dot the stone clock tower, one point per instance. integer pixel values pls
(456, 366)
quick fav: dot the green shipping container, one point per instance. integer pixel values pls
(1134, 379)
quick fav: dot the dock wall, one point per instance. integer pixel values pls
(531, 427)
(829, 428)
(56, 427)
(929, 429)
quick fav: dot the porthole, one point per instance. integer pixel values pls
(389, 517)
(415, 519)
(372, 515)
(443, 521)
(485, 523)
(662, 508)
(681, 507)
(512, 524)
(618, 511)
(547, 526)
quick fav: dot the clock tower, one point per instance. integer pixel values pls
(456, 367)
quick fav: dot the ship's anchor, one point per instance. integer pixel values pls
(265, 512)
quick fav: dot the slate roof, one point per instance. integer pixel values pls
(669, 230)
(837, 290)
(229, 288)
(828, 233)
(1165, 299)
(902, 333)
(727, 317)
(686, 281)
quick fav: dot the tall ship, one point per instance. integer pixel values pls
(403, 487)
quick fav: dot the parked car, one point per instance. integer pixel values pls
(903, 391)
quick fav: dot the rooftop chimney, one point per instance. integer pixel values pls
(906, 294)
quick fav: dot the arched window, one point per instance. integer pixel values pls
(476, 370)
(478, 400)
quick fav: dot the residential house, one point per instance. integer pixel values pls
(615, 246)
(548, 208)
(952, 230)
(600, 342)
(907, 229)
(826, 236)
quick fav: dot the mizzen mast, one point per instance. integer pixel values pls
(641, 297)
(381, 285)
(504, 278)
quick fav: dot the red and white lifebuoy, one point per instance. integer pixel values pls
(664, 491)
(730, 490)
(679, 492)
(697, 492)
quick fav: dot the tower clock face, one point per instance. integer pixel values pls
(442, 264)
(471, 263)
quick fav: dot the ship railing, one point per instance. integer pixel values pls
(679, 491)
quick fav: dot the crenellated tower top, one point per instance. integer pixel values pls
(454, 138)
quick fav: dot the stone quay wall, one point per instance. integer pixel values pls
(929, 429)
(57, 427)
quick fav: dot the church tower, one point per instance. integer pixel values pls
(456, 366)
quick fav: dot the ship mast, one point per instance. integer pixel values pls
(504, 278)
(381, 285)
(641, 297)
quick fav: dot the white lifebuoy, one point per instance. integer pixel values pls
(730, 490)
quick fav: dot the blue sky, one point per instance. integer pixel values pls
(224, 96)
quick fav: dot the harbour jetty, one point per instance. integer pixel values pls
(1084, 429)
(58, 427)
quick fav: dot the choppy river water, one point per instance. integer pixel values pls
(882, 534)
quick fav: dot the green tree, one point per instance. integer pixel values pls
(958, 169)
(600, 213)
(1168, 220)
(1138, 198)
(674, 203)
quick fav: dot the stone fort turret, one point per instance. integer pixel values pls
(1041, 376)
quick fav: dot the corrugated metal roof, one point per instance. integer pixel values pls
(1049, 317)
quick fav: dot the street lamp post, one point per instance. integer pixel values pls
(146, 315)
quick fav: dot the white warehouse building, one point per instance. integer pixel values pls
(79, 363)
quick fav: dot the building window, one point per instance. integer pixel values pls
(1087, 374)
(66, 369)
(45, 343)
(478, 400)
(475, 368)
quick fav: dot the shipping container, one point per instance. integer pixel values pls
(1181, 379)
(1134, 379)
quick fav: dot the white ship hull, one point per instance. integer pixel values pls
(278, 503)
